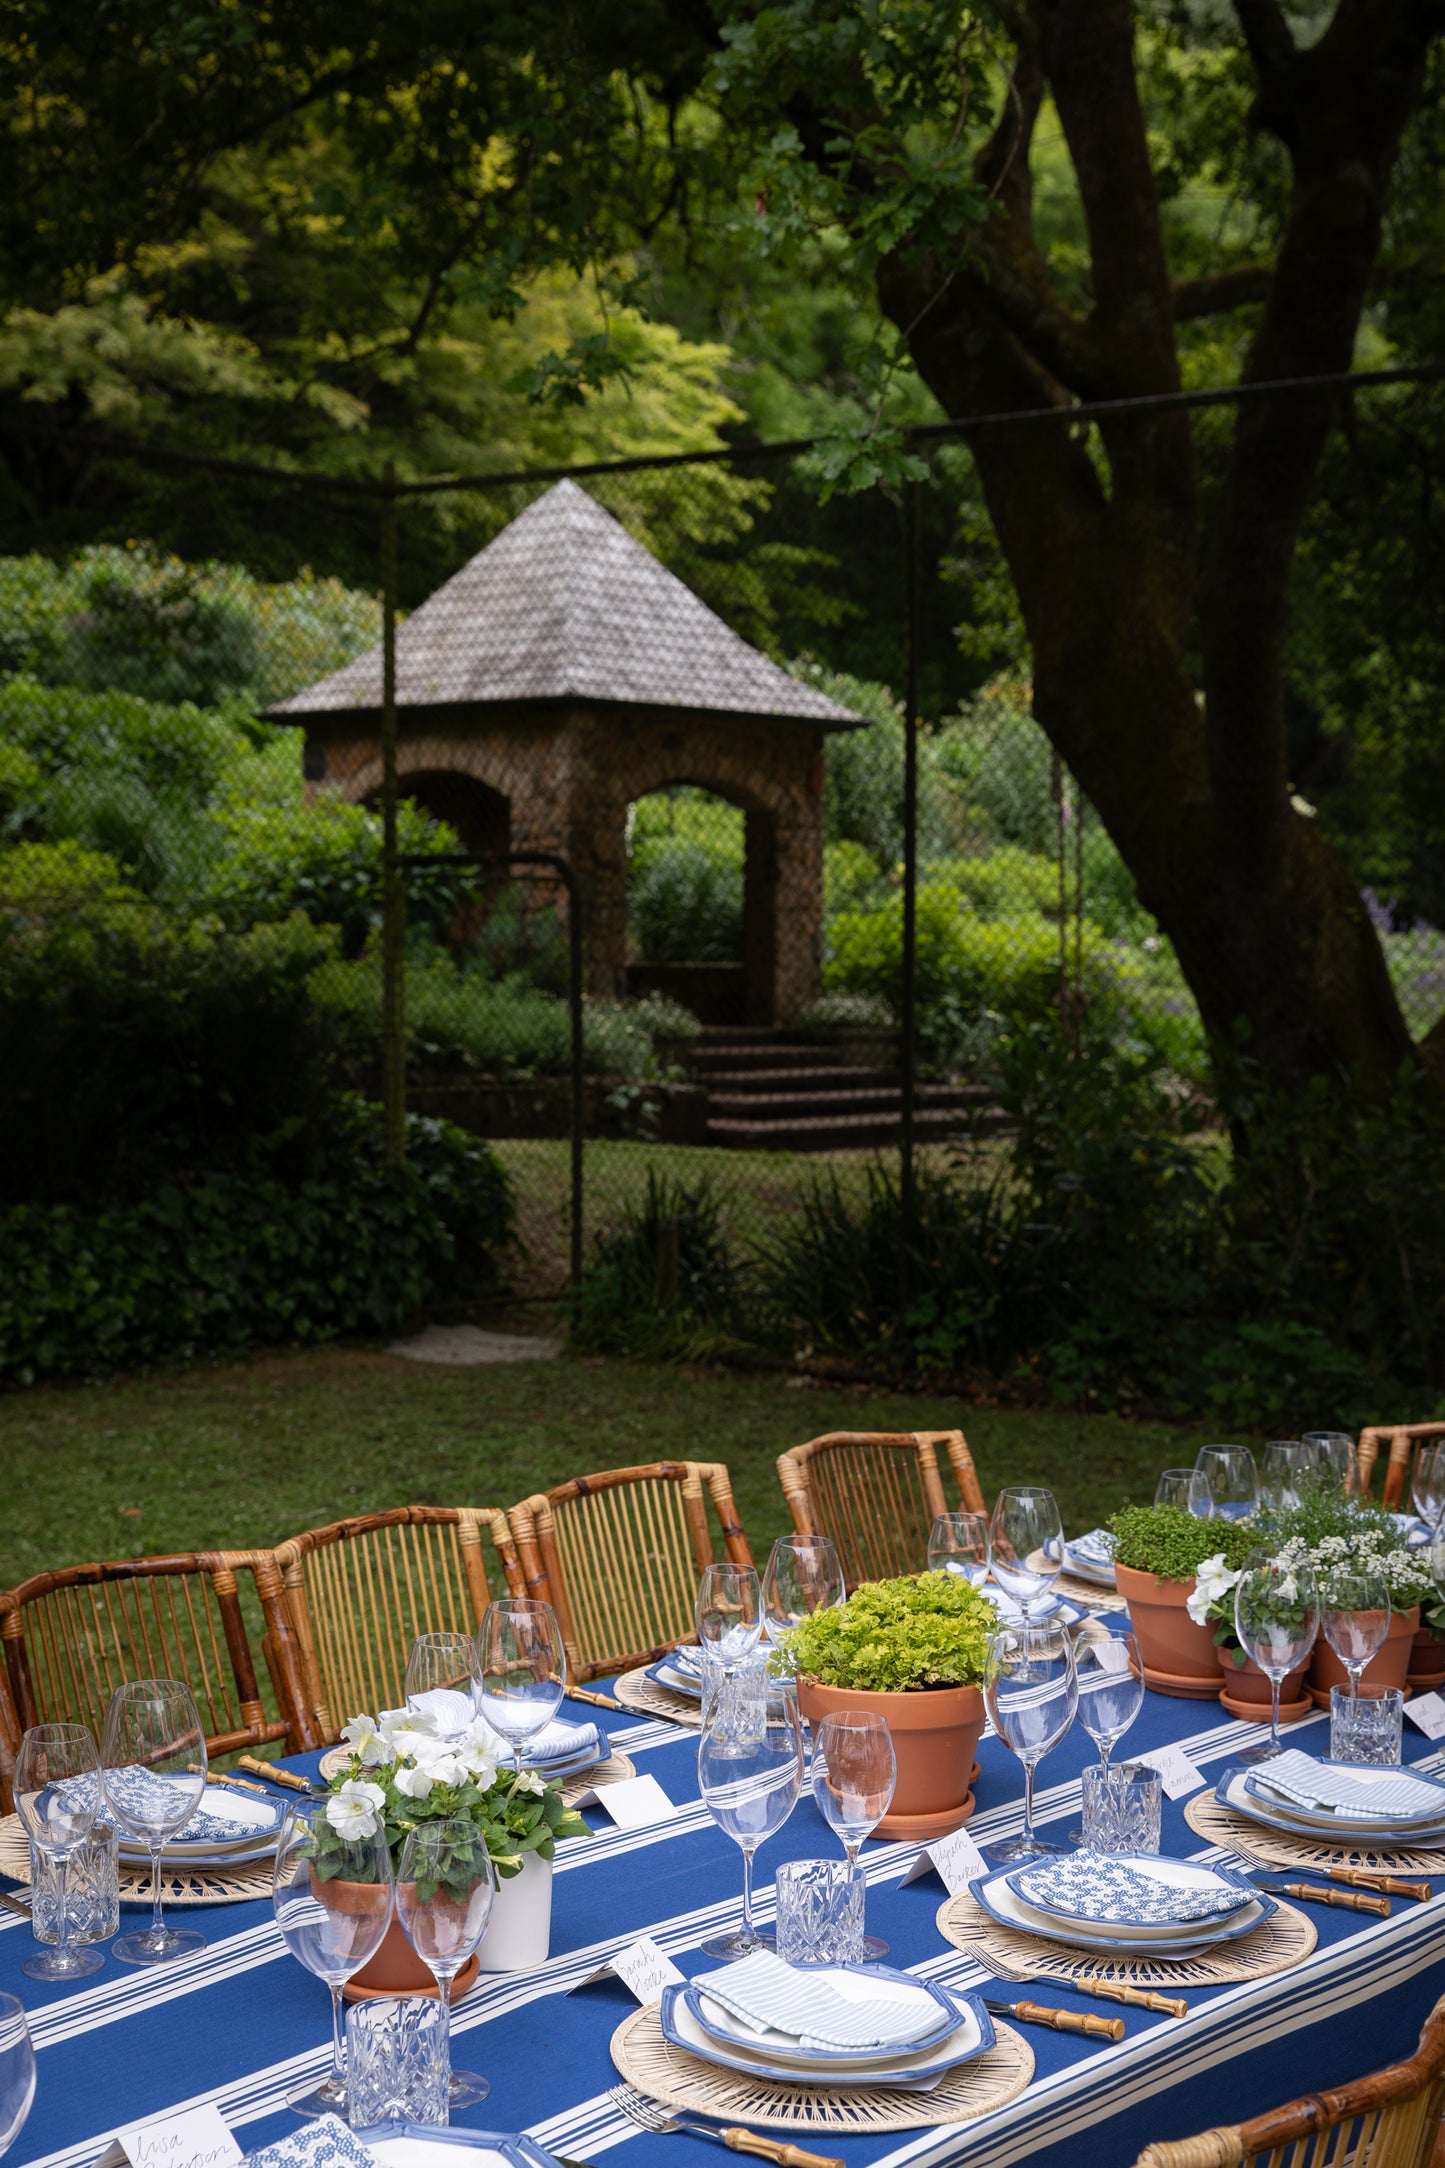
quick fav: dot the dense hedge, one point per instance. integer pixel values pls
(260, 1250)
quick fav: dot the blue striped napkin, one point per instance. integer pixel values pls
(1095, 1549)
(1328, 1788)
(766, 1993)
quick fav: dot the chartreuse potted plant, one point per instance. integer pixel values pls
(1159, 1551)
(912, 1650)
(401, 1775)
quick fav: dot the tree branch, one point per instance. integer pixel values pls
(1273, 56)
(1220, 291)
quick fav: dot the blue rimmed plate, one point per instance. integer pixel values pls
(419, 2145)
(919, 2069)
(1002, 1903)
(1231, 1791)
(1103, 1883)
(676, 1680)
(721, 2024)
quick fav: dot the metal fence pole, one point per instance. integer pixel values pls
(393, 893)
(912, 504)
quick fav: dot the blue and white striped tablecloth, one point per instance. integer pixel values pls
(241, 2023)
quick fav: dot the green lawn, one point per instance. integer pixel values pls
(249, 1453)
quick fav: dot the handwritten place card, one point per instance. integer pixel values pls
(195, 2138)
(636, 1802)
(956, 1859)
(642, 1966)
(1177, 1772)
(1428, 1711)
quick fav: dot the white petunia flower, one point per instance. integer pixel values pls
(1212, 1580)
(481, 1750)
(448, 1767)
(413, 1780)
(353, 1808)
(1288, 1589)
(363, 1738)
(408, 1731)
(530, 1781)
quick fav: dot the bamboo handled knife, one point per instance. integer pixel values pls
(1074, 2021)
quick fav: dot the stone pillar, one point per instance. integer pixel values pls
(760, 916)
(798, 909)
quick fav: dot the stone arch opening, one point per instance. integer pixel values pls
(702, 900)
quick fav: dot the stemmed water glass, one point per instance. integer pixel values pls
(1287, 1466)
(1026, 1544)
(441, 1663)
(1277, 1618)
(958, 1542)
(153, 1772)
(1427, 1484)
(802, 1576)
(521, 1669)
(749, 1773)
(1355, 1615)
(1187, 1488)
(57, 1795)
(444, 1891)
(17, 2071)
(729, 1613)
(854, 1772)
(1233, 1480)
(1334, 1452)
(332, 1923)
(1032, 1691)
(1110, 1673)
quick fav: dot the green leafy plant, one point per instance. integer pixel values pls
(662, 1280)
(895, 1637)
(1172, 1544)
(1337, 1536)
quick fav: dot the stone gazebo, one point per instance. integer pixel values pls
(561, 675)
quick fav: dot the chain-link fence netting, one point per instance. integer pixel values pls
(680, 689)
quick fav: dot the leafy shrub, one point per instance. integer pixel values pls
(848, 1012)
(686, 905)
(1173, 1544)
(1000, 765)
(852, 879)
(624, 1307)
(895, 1637)
(325, 859)
(279, 1244)
(1003, 883)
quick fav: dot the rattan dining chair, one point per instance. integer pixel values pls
(618, 1555)
(10, 1728)
(876, 1494)
(361, 1590)
(1390, 2119)
(72, 1636)
(1400, 1440)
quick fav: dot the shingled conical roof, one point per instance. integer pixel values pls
(564, 604)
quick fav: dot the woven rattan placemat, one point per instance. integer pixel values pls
(1278, 1848)
(179, 1885)
(1092, 1593)
(636, 1691)
(686, 2083)
(1282, 1940)
(615, 1770)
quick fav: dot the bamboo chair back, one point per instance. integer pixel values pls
(876, 1494)
(1401, 1440)
(618, 1554)
(1388, 2120)
(360, 1591)
(10, 1728)
(72, 1636)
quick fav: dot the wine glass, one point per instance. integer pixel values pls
(1187, 1488)
(802, 1576)
(1025, 1544)
(1032, 1691)
(57, 1794)
(153, 1771)
(958, 1543)
(749, 1773)
(1427, 1483)
(332, 1922)
(521, 1669)
(1277, 1617)
(1335, 1456)
(17, 2071)
(854, 1772)
(442, 1663)
(1233, 1480)
(729, 1613)
(444, 1891)
(1355, 1615)
(1287, 1465)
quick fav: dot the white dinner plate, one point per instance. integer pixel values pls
(941, 2020)
(1005, 1905)
(919, 2070)
(1178, 1874)
(1230, 1792)
(1322, 1818)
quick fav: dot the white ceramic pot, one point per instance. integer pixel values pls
(519, 1932)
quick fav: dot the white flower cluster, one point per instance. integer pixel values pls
(406, 1745)
(1213, 1581)
(1406, 1573)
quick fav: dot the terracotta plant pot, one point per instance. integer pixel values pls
(1246, 1693)
(1427, 1661)
(935, 1732)
(395, 1969)
(1387, 1667)
(1179, 1657)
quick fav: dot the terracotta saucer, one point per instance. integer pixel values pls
(1186, 1686)
(464, 1979)
(1257, 1712)
(918, 1828)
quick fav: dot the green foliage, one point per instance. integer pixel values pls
(288, 1240)
(895, 1637)
(662, 1281)
(685, 903)
(510, 1817)
(848, 1012)
(325, 859)
(1173, 1544)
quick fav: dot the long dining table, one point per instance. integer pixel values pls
(241, 2024)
